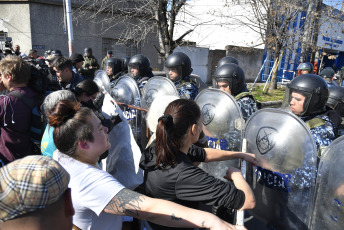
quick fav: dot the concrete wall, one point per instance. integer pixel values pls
(46, 30)
(250, 60)
(15, 20)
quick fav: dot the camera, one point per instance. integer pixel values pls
(8, 42)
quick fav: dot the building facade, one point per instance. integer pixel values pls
(41, 25)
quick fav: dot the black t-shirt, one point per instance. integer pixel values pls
(187, 184)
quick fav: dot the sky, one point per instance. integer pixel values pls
(212, 27)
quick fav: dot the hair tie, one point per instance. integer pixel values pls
(167, 119)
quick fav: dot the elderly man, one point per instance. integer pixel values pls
(34, 194)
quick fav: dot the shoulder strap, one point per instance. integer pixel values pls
(28, 102)
(244, 94)
(315, 122)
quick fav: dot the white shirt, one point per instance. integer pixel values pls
(92, 189)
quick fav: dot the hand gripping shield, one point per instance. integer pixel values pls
(223, 125)
(157, 86)
(284, 182)
(329, 203)
(102, 80)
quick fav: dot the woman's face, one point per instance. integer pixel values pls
(101, 140)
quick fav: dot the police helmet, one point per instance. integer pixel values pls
(336, 99)
(328, 72)
(115, 64)
(227, 59)
(233, 74)
(306, 66)
(140, 62)
(181, 61)
(124, 66)
(56, 53)
(88, 50)
(313, 88)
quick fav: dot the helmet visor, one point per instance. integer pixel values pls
(296, 101)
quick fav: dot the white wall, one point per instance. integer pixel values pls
(217, 30)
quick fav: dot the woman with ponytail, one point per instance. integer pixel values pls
(98, 198)
(169, 168)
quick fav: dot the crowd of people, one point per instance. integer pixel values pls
(84, 177)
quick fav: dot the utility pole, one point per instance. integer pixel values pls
(69, 26)
(307, 33)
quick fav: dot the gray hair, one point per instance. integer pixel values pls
(51, 100)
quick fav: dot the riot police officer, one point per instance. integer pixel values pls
(90, 64)
(227, 59)
(231, 78)
(306, 96)
(328, 75)
(113, 68)
(305, 68)
(336, 102)
(139, 68)
(124, 66)
(179, 68)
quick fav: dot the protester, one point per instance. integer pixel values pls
(98, 198)
(15, 112)
(64, 72)
(171, 175)
(34, 195)
(47, 144)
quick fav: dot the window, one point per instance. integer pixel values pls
(121, 48)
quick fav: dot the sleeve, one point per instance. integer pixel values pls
(196, 154)
(97, 189)
(194, 184)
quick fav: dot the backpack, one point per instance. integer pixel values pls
(36, 123)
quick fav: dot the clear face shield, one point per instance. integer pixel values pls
(174, 73)
(223, 84)
(296, 101)
(133, 71)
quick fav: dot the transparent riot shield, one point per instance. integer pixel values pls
(102, 80)
(223, 125)
(329, 203)
(127, 95)
(157, 86)
(284, 182)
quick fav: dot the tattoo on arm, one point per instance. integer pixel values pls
(126, 202)
(173, 217)
(203, 222)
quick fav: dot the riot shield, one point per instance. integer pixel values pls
(157, 86)
(102, 80)
(284, 182)
(125, 91)
(329, 203)
(223, 125)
